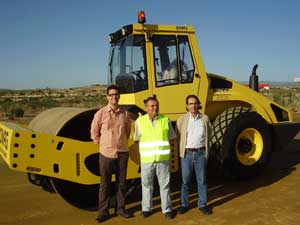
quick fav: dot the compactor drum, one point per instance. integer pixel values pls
(73, 123)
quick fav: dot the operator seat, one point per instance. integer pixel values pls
(170, 74)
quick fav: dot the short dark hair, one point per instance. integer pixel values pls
(112, 87)
(150, 99)
(192, 96)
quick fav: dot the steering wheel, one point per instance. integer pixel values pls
(138, 74)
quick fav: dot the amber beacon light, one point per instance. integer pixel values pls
(141, 17)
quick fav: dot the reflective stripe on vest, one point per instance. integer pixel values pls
(157, 152)
(154, 144)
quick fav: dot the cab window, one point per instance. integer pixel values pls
(172, 59)
(127, 66)
(187, 68)
(165, 60)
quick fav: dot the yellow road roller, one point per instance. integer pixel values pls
(164, 61)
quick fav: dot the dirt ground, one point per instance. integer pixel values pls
(272, 198)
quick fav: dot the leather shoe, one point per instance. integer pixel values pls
(102, 218)
(169, 215)
(123, 213)
(206, 210)
(146, 214)
(182, 210)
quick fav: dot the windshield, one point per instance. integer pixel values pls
(127, 65)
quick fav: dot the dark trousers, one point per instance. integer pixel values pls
(108, 167)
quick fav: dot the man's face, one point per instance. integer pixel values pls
(193, 106)
(152, 108)
(113, 97)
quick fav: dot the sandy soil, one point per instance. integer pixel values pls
(272, 198)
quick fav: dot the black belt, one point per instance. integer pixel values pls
(195, 149)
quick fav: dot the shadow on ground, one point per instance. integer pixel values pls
(222, 191)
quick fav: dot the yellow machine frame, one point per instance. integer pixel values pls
(52, 156)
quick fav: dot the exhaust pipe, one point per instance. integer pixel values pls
(253, 81)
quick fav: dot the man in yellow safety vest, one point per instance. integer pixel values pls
(154, 131)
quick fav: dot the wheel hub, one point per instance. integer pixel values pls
(244, 145)
(249, 146)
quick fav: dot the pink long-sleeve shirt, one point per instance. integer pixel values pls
(111, 129)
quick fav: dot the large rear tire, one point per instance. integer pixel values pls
(241, 143)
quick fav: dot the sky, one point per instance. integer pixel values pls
(64, 43)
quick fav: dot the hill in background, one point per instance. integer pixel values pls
(276, 83)
(23, 105)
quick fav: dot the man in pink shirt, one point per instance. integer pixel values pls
(110, 129)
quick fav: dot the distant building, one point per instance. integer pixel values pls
(261, 86)
(264, 86)
(297, 79)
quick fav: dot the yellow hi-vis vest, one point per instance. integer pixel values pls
(154, 143)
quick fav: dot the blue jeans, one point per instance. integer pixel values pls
(197, 161)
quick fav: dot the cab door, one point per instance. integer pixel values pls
(174, 73)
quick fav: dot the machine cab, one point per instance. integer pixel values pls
(155, 60)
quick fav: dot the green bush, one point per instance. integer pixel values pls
(19, 112)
